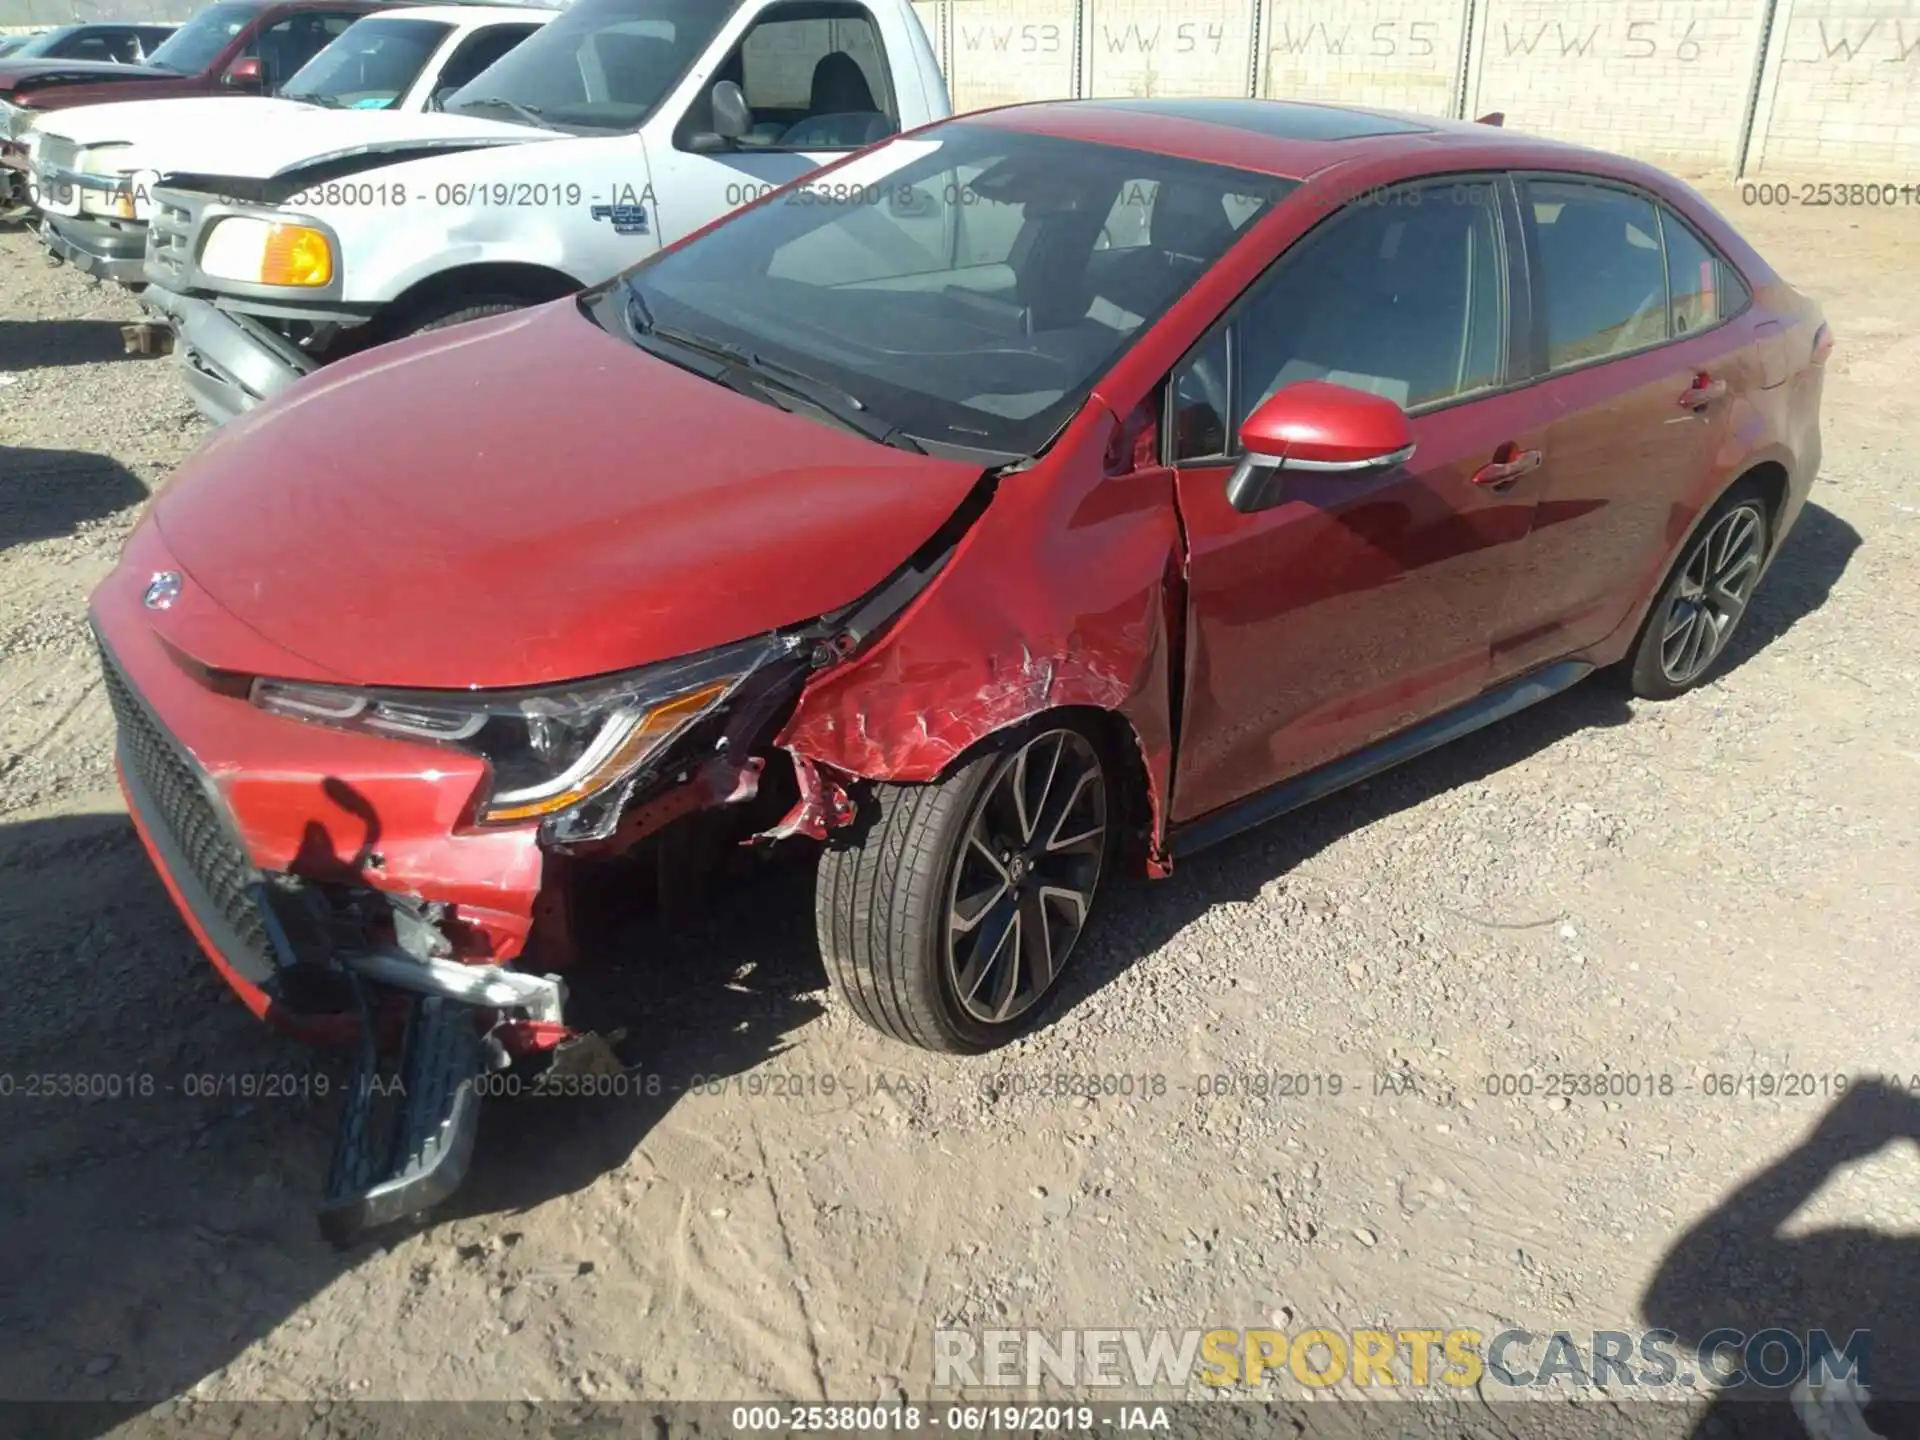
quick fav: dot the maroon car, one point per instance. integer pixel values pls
(236, 47)
(1044, 491)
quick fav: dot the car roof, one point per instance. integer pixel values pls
(1292, 139)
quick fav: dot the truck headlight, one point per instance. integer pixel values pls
(552, 748)
(263, 252)
(139, 200)
(16, 120)
(102, 162)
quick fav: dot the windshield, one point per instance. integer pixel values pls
(967, 286)
(35, 45)
(600, 67)
(192, 47)
(370, 66)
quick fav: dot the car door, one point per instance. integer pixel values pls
(817, 84)
(1638, 372)
(1355, 605)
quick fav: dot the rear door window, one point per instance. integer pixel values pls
(1603, 279)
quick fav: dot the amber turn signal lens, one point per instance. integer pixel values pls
(296, 255)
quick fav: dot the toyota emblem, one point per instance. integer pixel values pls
(162, 590)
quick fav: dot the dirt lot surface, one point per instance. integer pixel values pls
(1724, 886)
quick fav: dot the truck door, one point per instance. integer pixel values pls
(818, 83)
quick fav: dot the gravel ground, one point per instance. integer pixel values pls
(1724, 885)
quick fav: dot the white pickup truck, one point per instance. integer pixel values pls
(622, 126)
(92, 167)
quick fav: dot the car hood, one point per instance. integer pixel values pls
(528, 499)
(318, 136)
(27, 75)
(149, 122)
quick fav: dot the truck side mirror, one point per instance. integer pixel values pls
(731, 120)
(244, 73)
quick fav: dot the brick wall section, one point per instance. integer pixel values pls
(1841, 91)
(1394, 54)
(1667, 80)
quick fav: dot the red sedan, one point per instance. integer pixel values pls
(1048, 491)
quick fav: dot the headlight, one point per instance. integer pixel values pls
(138, 205)
(550, 749)
(262, 252)
(16, 119)
(102, 161)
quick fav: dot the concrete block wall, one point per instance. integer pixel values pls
(1000, 52)
(38, 14)
(1840, 91)
(1666, 80)
(1148, 47)
(1394, 54)
(1825, 88)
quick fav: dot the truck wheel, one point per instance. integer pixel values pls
(948, 919)
(438, 317)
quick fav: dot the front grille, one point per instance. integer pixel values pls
(170, 236)
(179, 805)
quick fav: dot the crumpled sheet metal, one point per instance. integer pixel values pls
(1060, 595)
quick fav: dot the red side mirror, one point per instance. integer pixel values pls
(1497, 118)
(1319, 427)
(244, 73)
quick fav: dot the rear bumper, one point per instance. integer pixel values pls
(107, 251)
(229, 364)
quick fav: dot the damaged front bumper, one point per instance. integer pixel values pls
(104, 249)
(231, 361)
(314, 940)
(402, 1146)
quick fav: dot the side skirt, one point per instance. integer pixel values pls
(1449, 725)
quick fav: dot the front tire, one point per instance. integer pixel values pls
(457, 312)
(1706, 595)
(946, 922)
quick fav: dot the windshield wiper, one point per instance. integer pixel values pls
(849, 409)
(325, 102)
(528, 113)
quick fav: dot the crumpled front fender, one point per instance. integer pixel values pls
(1066, 592)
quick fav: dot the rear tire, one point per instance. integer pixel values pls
(1705, 597)
(948, 918)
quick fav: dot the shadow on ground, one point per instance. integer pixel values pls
(1142, 918)
(1733, 1276)
(164, 1152)
(44, 344)
(48, 493)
